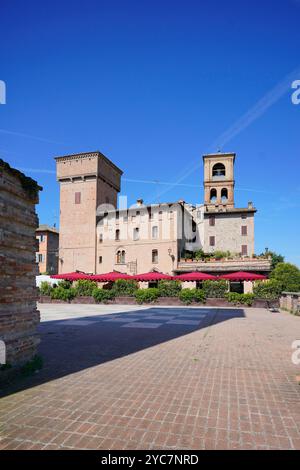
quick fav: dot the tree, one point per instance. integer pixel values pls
(288, 275)
(276, 258)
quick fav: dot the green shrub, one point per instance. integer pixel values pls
(288, 275)
(126, 287)
(63, 294)
(236, 298)
(45, 288)
(169, 288)
(221, 254)
(269, 290)
(215, 289)
(85, 287)
(146, 295)
(103, 295)
(188, 296)
(199, 255)
(65, 284)
(199, 295)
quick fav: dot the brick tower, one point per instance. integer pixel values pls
(87, 180)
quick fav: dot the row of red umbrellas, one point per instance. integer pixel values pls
(157, 276)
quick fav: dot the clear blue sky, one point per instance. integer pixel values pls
(154, 85)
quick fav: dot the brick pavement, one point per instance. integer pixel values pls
(158, 378)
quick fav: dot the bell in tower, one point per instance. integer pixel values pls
(219, 181)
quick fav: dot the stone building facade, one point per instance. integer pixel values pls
(97, 237)
(47, 254)
(19, 316)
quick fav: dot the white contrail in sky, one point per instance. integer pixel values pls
(242, 123)
(131, 180)
(28, 136)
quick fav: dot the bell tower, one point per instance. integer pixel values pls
(219, 181)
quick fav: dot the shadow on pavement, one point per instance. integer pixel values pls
(71, 345)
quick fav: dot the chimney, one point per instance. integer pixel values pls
(250, 205)
(140, 202)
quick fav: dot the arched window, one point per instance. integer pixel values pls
(120, 257)
(136, 233)
(117, 236)
(213, 195)
(224, 195)
(218, 170)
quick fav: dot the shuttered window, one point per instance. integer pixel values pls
(212, 221)
(244, 230)
(212, 241)
(244, 250)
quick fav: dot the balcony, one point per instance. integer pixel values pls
(225, 265)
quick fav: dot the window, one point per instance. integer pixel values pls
(137, 212)
(212, 241)
(120, 257)
(244, 250)
(40, 258)
(213, 195)
(244, 230)
(42, 238)
(244, 217)
(100, 259)
(224, 195)
(212, 221)
(218, 171)
(155, 232)
(117, 235)
(77, 198)
(136, 233)
(117, 215)
(101, 238)
(154, 256)
(151, 215)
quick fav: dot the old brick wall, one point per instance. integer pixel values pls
(19, 316)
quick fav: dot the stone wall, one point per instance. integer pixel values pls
(19, 316)
(290, 301)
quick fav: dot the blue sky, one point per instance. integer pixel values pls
(154, 85)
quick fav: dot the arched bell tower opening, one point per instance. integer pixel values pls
(219, 180)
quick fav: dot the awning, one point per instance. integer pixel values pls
(152, 276)
(196, 276)
(75, 276)
(243, 276)
(110, 277)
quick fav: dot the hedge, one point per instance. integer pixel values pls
(215, 289)
(103, 295)
(188, 296)
(146, 295)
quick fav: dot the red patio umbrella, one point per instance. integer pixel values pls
(243, 276)
(110, 277)
(196, 276)
(152, 276)
(75, 276)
